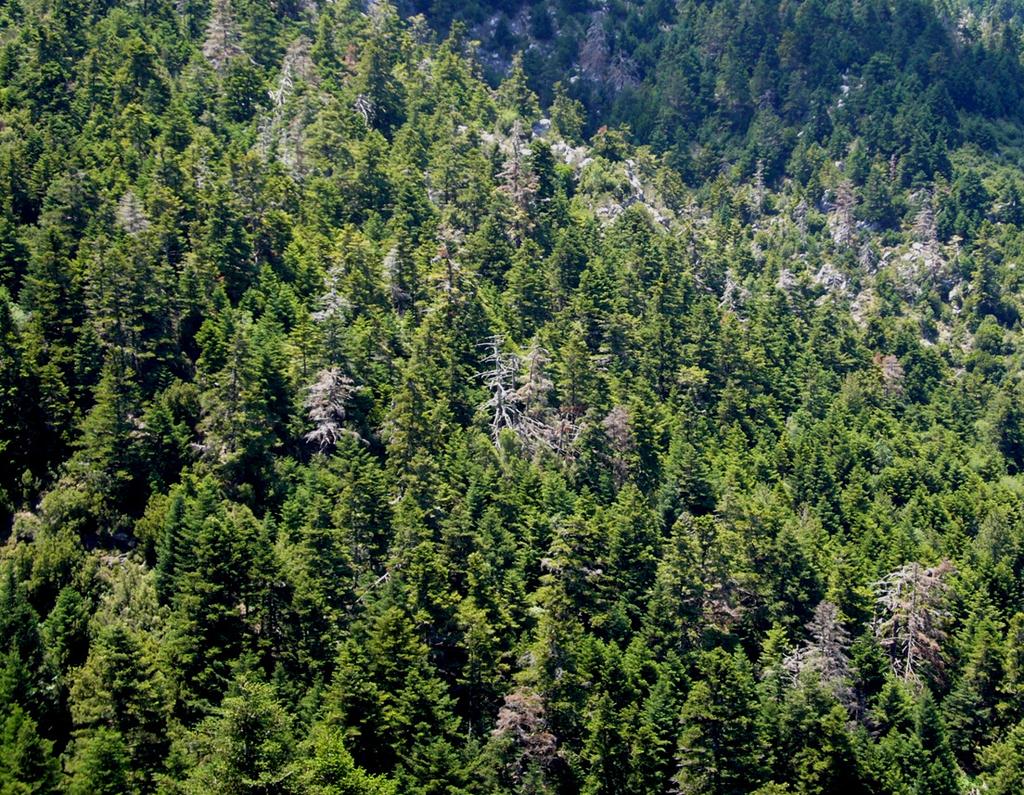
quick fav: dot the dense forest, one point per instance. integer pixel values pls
(523, 397)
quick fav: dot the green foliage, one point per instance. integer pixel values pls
(364, 431)
(27, 763)
(331, 771)
(248, 746)
(719, 748)
(119, 707)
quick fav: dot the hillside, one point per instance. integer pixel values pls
(715, 83)
(382, 411)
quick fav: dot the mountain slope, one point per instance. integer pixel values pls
(716, 83)
(367, 427)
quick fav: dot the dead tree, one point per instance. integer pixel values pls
(366, 108)
(892, 374)
(522, 726)
(536, 419)
(223, 36)
(910, 627)
(595, 54)
(826, 652)
(519, 183)
(395, 276)
(843, 223)
(565, 431)
(520, 401)
(925, 233)
(327, 401)
(924, 230)
(500, 378)
(535, 386)
(448, 275)
(617, 428)
(283, 128)
(131, 215)
(758, 191)
(829, 642)
(334, 310)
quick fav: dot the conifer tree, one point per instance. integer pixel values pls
(719, 748)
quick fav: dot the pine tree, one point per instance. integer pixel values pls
(695, 596)
(939, 771)
(877, 207)
(719, 750)
(101, 764)
(567, 114)
(330, 770)
(605, 751)
(21, 652)
(248, 745)
(633, 550)
(815, 749)
(1004, 763)
(237, 422)
(120, 709)
(515, 96)
(379, 96)
(222, 608)
(27, 762)
(653, 746)
(970, 710)
(108, 463)
(397, 710)
(225, 244)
